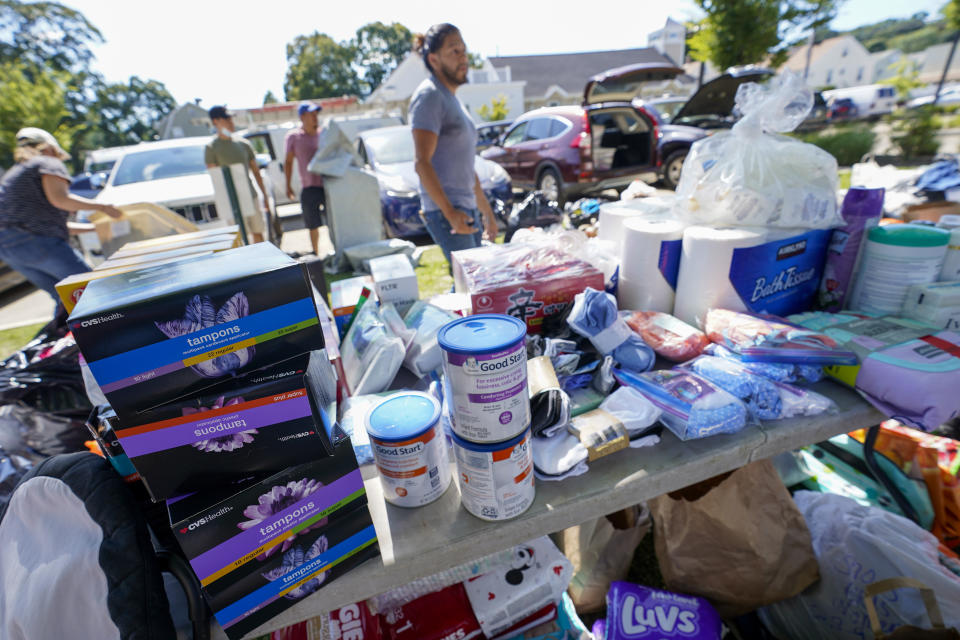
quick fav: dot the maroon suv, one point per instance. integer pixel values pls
(606, 143)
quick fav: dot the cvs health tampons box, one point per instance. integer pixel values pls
(153, 335)
(258, 423)
(260, 547)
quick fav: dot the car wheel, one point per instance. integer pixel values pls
(550, 184)
(673, 167)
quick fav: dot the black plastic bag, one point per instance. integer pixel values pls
(45, 374)
(534, 211)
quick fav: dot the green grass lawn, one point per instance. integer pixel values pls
(844, 179)
(12, 339)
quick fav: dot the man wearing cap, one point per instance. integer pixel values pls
(34, 204)
(226, 149)
(301, 144)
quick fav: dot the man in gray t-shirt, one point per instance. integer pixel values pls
(445, 142)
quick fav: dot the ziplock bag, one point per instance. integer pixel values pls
(594, 316)
(692, 406)
(371, 352)
(423, 352)
(669, 336)
(750, 176)
(758, 338)
(776, 371)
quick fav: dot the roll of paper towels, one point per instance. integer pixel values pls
(612, 215)
(649, 263)
(704, 279)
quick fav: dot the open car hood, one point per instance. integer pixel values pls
(717, 97)
(623, 84)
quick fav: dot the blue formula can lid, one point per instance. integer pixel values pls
(490, 447)
(483, 333)
(403, 416)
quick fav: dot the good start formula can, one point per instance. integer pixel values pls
(409, 448)
(485, 364)
(496, 480)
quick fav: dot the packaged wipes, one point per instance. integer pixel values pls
(635, 612)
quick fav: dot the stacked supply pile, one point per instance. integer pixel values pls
(216, 370)
(150, 253)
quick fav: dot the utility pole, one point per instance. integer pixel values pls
(946, 67)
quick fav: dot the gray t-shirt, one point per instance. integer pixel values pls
(23, 205)
(434, 108)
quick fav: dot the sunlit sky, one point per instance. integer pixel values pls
(232, 53)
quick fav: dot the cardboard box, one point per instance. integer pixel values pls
(931, 210)
(395, 281)
(536, 285)
(262, 421)
(262, 546)
(153, 335)
(344, 295)
(150, 257)
(72, 287)
(202, 235)
(232, 239)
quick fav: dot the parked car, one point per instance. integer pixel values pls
(947, 96)
(96, 168)
(871, 100)
(489, 132)
(842, 109)
(171, 173)
(389, 153)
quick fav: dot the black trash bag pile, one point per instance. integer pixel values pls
(43, 404)
(533, 211)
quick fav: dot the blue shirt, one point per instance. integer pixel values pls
(434, 108)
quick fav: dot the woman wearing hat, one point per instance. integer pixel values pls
(34, 204)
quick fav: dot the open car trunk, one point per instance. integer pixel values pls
(622, 141)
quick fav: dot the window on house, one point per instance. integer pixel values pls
(830, 76)
(859, 74)
(844, 52)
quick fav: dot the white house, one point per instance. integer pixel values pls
(483, 86)
(839, 62)
(670, 41)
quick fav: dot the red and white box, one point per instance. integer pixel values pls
(535, 284)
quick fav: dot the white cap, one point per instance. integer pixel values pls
(33, 136)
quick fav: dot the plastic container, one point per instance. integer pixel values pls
(496, 480)
(951, 263)
(409, 448)
(894, 258)
(485, 363)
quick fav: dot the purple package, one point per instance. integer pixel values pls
(599, 629)
(861, 210)
(635, 612)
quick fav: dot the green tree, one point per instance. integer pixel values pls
(496, 110)
(905, 78)
(127, 113)
(380, 48)
(46, 35)
(269, 98)
(32, 97)
(737, 32)
(320, 67)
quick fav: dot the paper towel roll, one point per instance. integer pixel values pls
(612, 215)
(647, 273)
(704, 279)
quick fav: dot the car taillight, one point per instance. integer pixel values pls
(583, 141)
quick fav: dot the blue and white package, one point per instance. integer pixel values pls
(776, 371)
(371, 353)
(635, 612)
(594, 315)
(692, 406)
(759, 394)
(423, 352)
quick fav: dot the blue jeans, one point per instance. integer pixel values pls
(442, 233)
(43, 260)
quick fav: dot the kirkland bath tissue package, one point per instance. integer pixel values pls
(775, 271)
(750, 176)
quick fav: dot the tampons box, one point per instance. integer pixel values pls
(261, 422)
(153, 335)
(260, 547)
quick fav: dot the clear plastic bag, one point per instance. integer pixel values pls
(669, 336)
(692, 406)
(750, 176)
(770, 339)
(423, 352)
(371, 352)
(776, 371)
